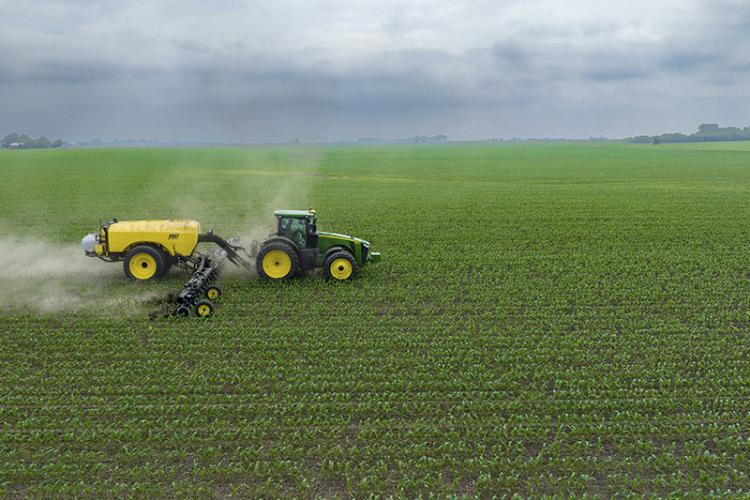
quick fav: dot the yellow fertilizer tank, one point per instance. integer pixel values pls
(148, 248)
(174, 237)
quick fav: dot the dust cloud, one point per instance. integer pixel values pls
(290, 190)
(52, 278)
(287, 189)
(44, 277)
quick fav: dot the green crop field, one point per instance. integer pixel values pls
(547, 319)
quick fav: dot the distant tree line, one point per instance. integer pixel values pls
(422, 139)
(23, 141)
(707, 132)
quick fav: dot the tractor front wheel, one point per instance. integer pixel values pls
(341, 266)
(277, 261)
(144, 263)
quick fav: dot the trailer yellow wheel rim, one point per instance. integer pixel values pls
(212, 293)
(142, 266)
(341, 269)
(277, 264)
(203, 310)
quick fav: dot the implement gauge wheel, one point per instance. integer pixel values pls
(144, 263)
(204, 309)
(213, 292)
(341, 266)
(277, 261)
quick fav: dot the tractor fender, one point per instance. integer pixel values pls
(283, 239)
(336, 248)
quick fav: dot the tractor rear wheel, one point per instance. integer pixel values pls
(144, 262)
(277, 261)
(341, 266)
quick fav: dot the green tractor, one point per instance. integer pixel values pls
(298, 246)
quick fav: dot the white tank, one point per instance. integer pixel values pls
(89, 242)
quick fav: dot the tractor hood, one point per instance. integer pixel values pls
(368, 255)
(344, 237)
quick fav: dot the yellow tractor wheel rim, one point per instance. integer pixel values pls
(213, 294)
(203, 310)
(341, 269)
(142, 266)
(277, 264)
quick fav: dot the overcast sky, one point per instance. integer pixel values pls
(258, 71)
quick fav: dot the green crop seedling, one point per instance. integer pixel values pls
(551, 318)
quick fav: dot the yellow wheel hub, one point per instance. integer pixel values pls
(203, 310)
(277, 264)
(142, 266)
(213, 294)
(341, 269)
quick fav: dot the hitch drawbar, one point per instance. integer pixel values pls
(231, 250)
(199, 292)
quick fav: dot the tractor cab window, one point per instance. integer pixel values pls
(295, 229)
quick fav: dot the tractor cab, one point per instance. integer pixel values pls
(299, 226)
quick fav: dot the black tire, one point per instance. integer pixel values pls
(213, 292)
(336, 270)
(168, 263)
(204, 309)
(277, 270)
(183, 311)
(138, 259)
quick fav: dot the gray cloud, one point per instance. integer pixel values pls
(690, 61)
(615, 74)
(64, 72)
(328, 70)
(510, 53)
